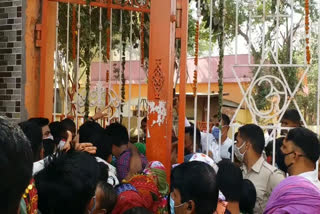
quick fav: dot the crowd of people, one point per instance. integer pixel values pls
(55, 168)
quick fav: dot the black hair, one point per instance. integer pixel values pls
(235, 136)
(137, 210)
(88, 131)
(69, 125)
(109, 199)
(196, 181)
(307, 141)
(16, 163)
(34, 133)
(40, 121)
(225, 119)
(67, 183)
(292, 115)
(93, 133)
(174, 139)
(104, 146)
(248, 197)
(57, 131)
(49, 147)
(144, 120)
(104, 171)
(229, 180)
(118, 134)
(255, 135)
(190, 130)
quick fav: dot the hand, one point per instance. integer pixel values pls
(100, 114)
(67, 145)
(75, 141)
(87, 147)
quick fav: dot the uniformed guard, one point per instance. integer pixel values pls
(248, 150)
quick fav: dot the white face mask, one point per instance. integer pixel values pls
(50, 137)
(238, 153)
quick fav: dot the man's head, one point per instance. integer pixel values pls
(301, 150)
(291, 118)
(144, 125)
(15, 165)
(188, 140)
(106, 198)
(118, 136)
(88, 131)
(67, 184)
(44, 124)
(229, 180)
(194, 188)
(225, 122)
(69, 125)
(34, 134)
(250, 142)
(57, 131)
(248, 196)
(225, 125)
(92, 132)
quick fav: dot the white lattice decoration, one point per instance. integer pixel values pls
(276, 94)
(280, 94)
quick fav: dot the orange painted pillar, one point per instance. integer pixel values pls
(39, 85)
(183, 7)
(43, 58)
(47, 47)
(160, 81)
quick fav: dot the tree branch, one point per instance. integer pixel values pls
(246, 37)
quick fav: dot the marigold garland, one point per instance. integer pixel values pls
(196, 59)
(307, 28)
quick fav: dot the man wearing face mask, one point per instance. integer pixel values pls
(226, 142)
(301, 152)
(194, 188)
(248, 150)
(290, 119)
(44, 124)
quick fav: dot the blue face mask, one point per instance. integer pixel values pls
(215, 133)
(172, 205)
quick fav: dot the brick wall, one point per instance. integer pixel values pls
(11, 58)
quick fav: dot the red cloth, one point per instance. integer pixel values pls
(31, 198)
(148, 190)
(128, 200)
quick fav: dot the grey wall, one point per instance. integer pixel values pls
(11, 58)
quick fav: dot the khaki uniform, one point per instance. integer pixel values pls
(265, 177)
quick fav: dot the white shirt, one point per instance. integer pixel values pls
(38, 166)
(61, 144)
(224, 153)
(112, 179)
(312, 176)
(212, 146)
(186, 123)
